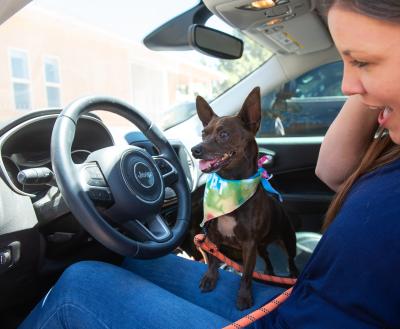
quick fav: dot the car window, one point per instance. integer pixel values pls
(305, 106)
(230, 72)
(96, 48)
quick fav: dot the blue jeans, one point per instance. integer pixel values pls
(158, 293)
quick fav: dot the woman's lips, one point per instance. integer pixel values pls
(384, 116)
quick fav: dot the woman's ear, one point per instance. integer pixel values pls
(250, 113)
(204, 111)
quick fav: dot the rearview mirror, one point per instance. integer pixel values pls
(214, 43)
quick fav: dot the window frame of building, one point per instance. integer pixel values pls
(52, 84)
(18, 80)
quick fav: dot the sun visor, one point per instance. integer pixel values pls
(288, 27)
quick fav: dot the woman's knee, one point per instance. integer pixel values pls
(74, 294)
(77, 281)
(78, 273)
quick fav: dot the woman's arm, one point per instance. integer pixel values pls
(346, 142)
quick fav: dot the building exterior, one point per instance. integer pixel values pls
(67, 59)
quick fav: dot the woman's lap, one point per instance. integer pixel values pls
(98, 295)
(182, 277)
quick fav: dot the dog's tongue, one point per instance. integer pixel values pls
(205, 164)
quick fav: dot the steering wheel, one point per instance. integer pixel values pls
(117, 194)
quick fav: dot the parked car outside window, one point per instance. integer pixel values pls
(305, 106)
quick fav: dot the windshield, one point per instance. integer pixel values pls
(57, 51)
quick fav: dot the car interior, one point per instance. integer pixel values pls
(67, 192)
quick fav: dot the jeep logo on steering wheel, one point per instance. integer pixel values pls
(143, 174)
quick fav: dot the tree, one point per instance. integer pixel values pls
(235, 70)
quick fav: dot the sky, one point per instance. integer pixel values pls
(129, 19)
(120, 16)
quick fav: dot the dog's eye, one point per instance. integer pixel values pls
(224, 135)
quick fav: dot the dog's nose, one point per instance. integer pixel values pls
(197, 151)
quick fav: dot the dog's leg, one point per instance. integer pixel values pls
(209, 279)
(245, 296)
(263, 252)
(289, 240)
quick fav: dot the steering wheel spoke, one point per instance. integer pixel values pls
(153, 228)
(168, 171)
(100, 196)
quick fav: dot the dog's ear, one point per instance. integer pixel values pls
(250, 113)
(204, 111)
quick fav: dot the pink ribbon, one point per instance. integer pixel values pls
(264, 159)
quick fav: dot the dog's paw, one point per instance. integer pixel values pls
(208, 283)
(244, 302)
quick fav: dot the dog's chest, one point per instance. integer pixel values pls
(226, 225)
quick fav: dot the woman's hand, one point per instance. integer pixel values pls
(346, 142)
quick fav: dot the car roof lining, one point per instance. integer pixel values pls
(301, 31)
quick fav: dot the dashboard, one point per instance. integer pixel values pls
(27, 146)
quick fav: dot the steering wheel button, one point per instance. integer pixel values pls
(96, 182)
(164, 166)
(94, 177)
(99, 195)
(93, 194)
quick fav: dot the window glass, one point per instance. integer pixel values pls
(96, 48)
(220, 75)
(19, 64)
(51, 70)
(21, 96)
(305, 106)
(323, 81)
(20, 79)
(52, 81)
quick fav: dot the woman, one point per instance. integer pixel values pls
(349, 282)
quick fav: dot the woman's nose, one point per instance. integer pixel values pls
(351, 83)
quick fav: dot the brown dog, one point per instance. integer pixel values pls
(230, 149)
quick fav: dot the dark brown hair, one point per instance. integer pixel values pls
(388, 10)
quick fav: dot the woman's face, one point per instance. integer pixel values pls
(370, 49)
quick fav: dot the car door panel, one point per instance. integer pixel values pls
(306, 198)
(295, 117)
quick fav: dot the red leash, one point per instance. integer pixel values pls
(202, 243)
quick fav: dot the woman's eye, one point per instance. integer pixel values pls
(357, 63)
